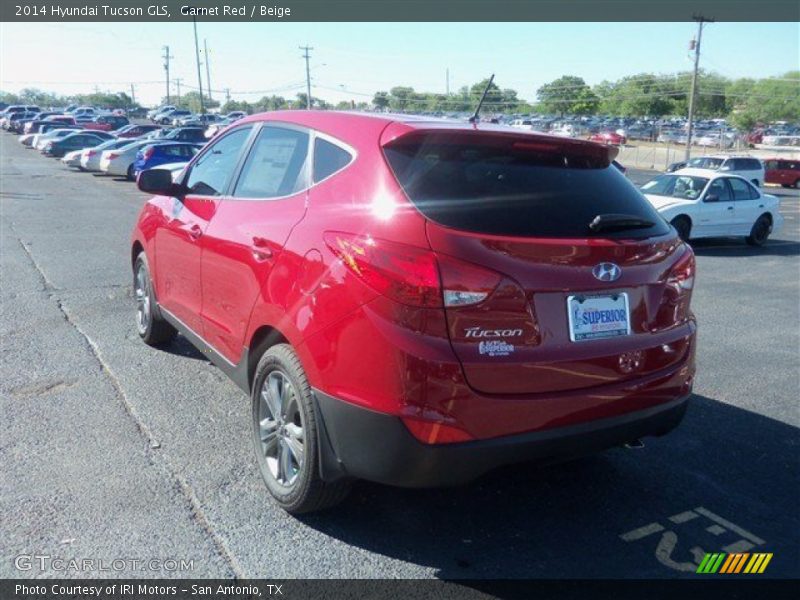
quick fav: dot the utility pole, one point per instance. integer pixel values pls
(308, 76)
(447, 81)
(133, 96)
(693, 96)
(166, 56)
(178, 85)
(227, 95)
(208, 68)
(197, 56)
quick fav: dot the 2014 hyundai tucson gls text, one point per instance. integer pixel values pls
(415, 302)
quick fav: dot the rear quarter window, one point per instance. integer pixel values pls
(511, 191)
(328, 158)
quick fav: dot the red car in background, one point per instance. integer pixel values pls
(611, 138)
(106, 123)
(783, 171)
(135, 131)
(416, 302)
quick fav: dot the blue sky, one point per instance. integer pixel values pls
(350, 59)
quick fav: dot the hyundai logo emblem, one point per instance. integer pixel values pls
(607, 272)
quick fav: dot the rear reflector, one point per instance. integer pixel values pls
(430, 432)
(411, 275)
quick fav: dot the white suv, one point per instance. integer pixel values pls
(748, 167)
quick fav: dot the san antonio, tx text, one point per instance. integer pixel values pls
(252, 591)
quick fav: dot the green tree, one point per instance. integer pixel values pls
(401, 98)
(381, 100)
(568, 95)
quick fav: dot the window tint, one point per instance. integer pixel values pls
(678, 186)
(751, 164)
(741, 189)
(720, 189)
(211, 174)
(328, 158)
(505, 188)
(275, 166)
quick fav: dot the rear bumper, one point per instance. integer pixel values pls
(357, 442)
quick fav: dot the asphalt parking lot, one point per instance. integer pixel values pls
(111, 449)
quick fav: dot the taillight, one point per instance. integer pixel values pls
(148, 153)
(411, 275)
(112, 155)
(681, 277)
(91, 153)
(678, 293)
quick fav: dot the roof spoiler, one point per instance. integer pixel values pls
(400, 133)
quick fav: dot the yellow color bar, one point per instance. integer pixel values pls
(764, 564)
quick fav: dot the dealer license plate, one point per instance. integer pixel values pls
(594, 317)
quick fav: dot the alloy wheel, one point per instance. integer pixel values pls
(142, 294)
(281, 431)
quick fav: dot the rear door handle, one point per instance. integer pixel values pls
(730, 208)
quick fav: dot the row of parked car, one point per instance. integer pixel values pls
(180, 117)
(123, 151)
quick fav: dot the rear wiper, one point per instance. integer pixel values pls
(612, 221)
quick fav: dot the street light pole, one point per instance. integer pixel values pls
(693, 96)
(197, 56)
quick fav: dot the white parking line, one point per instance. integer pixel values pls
(644, 531)
(728, 525)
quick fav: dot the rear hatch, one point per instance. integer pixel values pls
(584, 283)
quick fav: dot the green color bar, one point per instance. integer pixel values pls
(718, 563)
(702, 567)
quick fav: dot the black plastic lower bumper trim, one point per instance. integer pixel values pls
(357, 442)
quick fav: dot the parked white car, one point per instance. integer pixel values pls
(120, 161)
(72, 159)
(748, 167)
(90, 157)
(700, 203)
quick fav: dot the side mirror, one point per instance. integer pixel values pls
(708, 198)
(159, 181)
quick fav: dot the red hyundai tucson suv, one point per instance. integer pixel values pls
(416, 302)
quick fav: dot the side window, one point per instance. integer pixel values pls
(719, 188)
(328, 158)
(772, 164)
(741, 189)
(211, 174)
(276, 164)
(754, 164)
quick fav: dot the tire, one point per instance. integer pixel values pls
(130, 175)
(150, 325)
(683, 226)
(760, 231)
(797, 184)
(285, 435)
(755, 183)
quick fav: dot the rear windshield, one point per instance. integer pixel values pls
(514, 190)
